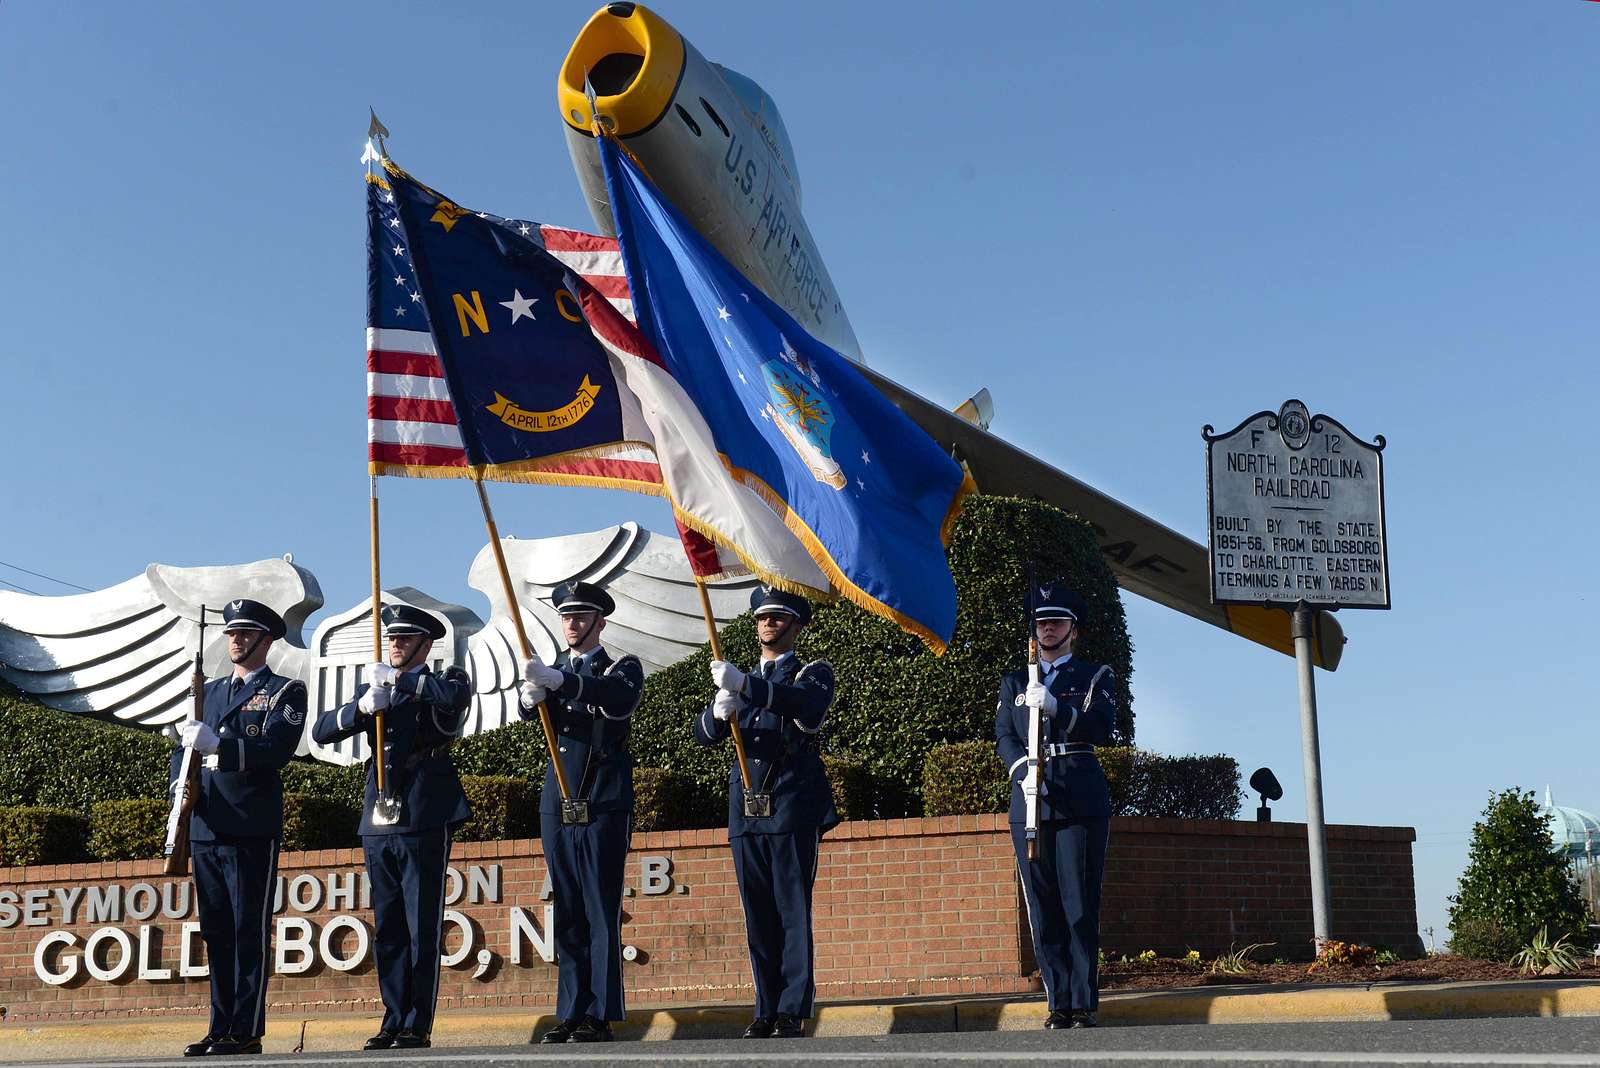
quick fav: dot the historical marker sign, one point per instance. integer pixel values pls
(1296, 513)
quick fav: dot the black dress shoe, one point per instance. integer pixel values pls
(200, 1048)
(591, 1030)
(411, 1040)
(760, 1027)
(1058, 1020)
(559, 1033)
(231, 1045)
(786, 1026)
(381, 1040)
(1084, 1019)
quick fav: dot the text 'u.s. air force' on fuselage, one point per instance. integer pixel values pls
(713, 141)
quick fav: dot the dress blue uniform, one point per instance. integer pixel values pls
(781, 710)
(235, 827)
(406, 860)
(591, 710)
(1062, 886)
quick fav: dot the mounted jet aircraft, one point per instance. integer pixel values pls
(712, 140)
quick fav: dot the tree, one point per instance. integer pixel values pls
(1517, 881)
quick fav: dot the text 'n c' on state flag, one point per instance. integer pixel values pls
(867, 491)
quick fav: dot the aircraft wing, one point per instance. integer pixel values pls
(1148, 558)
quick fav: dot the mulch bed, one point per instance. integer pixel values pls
(1165, 973)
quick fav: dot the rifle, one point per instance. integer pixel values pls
(1031, 775)
(188, 784)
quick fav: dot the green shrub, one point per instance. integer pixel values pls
(852, 786)
(61, 760)
(667, 801)
(503, 806)
(314, 822)
(963, 778)
(33, 834)
(1517, 882)
(135, 829)
(1171, 787)
(344, 784)
(895, 701)
(516, 749)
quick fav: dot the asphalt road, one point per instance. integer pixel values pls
(1480, 1042)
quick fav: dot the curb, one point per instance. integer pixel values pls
(1235, 1005)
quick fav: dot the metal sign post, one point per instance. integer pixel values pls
(1296, 522)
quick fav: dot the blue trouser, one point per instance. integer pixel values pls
(233, 880)
(585, 863)
(776, 874)
(1062, 889)
(407, 874)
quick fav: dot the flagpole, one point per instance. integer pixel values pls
(515, 610)
(716, 654)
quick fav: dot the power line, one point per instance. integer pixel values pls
(48, 578)
(24, 589)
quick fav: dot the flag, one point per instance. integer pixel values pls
(460, 384)
(513, 387)
(870, 495)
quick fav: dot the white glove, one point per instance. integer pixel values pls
(541, 674)
(382, 674)
(199, 737)
(376, 699)
(725, 705)
(1038, 696)
(726, 676)
(530, 694)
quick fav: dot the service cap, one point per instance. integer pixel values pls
(400, 620)
(245, 614)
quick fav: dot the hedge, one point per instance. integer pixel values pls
(134, 829)
(35, 834)
(311, 821)
(967, 777)
(61, 760)
(503, 806)
(895, 700)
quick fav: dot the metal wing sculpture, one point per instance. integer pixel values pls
(124, 653)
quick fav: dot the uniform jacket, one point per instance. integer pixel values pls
(592, 713)
(1073, 786)
(258, 729)
(781, 720)
(425, 715)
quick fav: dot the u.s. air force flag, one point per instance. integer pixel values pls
(865, 489)
(480, 362)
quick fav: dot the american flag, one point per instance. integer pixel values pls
(411, 421)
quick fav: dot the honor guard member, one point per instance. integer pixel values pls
(249, 730)
(591, 699)
(1077, 704)
(405, 834)
(775, 830)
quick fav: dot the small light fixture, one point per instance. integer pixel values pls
(1266, 784)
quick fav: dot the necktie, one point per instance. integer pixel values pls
(766, 668)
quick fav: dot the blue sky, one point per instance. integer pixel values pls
(1127, 220)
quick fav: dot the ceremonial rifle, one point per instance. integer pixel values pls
(187, 788)
(1031, 775)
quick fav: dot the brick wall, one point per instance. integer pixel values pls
(903, 907)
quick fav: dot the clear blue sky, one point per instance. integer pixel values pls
(1127, 220)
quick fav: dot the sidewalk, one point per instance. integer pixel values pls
(148, 1037)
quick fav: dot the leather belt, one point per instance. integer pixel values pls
(1061, 749)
